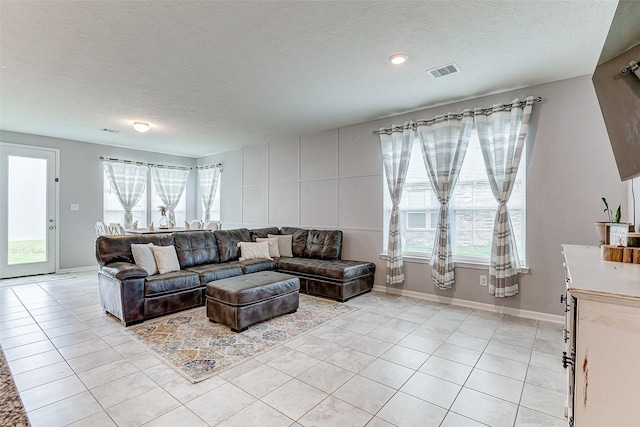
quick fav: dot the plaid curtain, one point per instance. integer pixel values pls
(502, 131)
(396, 152)
(128, 180)
(444, 142)
(170, 184)
(208, 178)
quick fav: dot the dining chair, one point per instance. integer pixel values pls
(101, 229)
(115, 229)
(213, 225)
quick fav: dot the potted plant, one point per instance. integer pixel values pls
(601, 226)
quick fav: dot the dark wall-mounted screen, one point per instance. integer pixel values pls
(619, 98)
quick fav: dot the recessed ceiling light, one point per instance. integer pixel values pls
(398, 59)
(141, 127)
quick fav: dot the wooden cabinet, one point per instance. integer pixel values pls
(603, 339)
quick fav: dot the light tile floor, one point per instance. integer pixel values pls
(395, 361)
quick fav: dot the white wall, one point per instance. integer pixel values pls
(333, 179)
(81, 183)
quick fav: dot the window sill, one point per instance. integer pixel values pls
(459, 264)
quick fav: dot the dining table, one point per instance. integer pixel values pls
(154, 231)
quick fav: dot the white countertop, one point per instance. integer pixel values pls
(593, 278)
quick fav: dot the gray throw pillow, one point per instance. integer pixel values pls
(285, 241)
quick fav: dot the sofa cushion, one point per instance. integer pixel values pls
(196, 248)
(323, 244)
(299, 239)
(262, 232)
(228, 240)
(334, 269)
(255, 265)
(118, 248)
(210, 272)
(170, 282)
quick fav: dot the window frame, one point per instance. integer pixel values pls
(148, 201)
(155, 201)
(107, 189)
(518, 212)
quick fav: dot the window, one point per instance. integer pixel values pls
(416, 220)
(113, 211)
(146, 211)
(417, 198)
(180, 210)
(472, 207)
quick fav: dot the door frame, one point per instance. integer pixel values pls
(55, 195)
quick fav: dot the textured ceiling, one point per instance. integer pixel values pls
(213, 76)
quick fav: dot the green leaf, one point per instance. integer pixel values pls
(618, 215)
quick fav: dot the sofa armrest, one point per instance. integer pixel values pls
(123, 271)
(122, 298)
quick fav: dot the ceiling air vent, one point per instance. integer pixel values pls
(444, 70)
(109, 130)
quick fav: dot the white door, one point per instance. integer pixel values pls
(27, 210)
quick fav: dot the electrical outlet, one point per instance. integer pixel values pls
(483, 280)
(75, 207)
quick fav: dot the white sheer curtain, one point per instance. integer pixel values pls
(502, 131)
(444, 142)
(170, 184)
(208, 178)
(396, 152)
(128, 180)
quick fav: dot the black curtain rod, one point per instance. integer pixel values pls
(458, 116)
(625, 70)
(217, 165)
(131, 162)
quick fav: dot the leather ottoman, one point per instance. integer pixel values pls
(241, 301)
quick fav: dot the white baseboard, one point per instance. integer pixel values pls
(78, 269)
(536, 315)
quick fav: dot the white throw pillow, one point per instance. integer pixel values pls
(166, 258)
(273, 245)
(143, 256)
(250, 250)
(285, 241)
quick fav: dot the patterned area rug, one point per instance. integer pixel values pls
(12, 411)
(198, 349)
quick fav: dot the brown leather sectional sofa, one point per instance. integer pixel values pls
(130, 294)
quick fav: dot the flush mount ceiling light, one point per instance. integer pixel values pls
(398, 59)
(141, 127)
